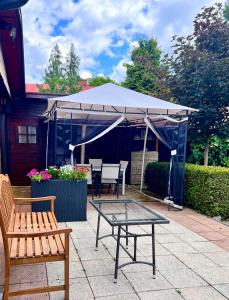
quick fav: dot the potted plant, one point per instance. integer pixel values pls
(68, 184)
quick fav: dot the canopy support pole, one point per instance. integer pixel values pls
(143, 157)
(82, 153)
(47, 147)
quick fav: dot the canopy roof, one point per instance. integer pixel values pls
(112, 100)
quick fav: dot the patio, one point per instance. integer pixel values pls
(191, 255)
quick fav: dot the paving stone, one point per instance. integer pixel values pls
(146, 250)
(223, 289)
(168, 262)
(195, 260)
(99, 267)
(220, 258)
(105, 286)
(92, 254)
(190, 237)
(122, 253)
(28, 273)
(183, 278)
(55, 272)
(214, 275)
(84, 243)
(201, 293)
(160, 295)
(35, 284)
(143, 281)
(180, 248)
(206, 247)
(175, 228)
(79, 290)
(120, 297)
(167, 238)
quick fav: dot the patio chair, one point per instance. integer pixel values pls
(89, 177)
(110, 175)
(96, 163)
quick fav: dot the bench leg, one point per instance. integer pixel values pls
(66, 267)
(7, 281)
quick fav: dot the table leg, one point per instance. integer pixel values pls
(135, 248)
(97, 233)
(153, 252)
(117, 255)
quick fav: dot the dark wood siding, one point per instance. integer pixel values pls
(23, 157)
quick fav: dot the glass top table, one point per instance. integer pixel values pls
(121, 214)
(127, 212)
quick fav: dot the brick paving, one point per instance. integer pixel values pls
(192, 256)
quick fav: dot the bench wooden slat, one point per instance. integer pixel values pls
(37, 242)
(51, 239)
(54, 225)
(44, 240)
(14, 244)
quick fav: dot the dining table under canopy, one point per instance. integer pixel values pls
(108, 106)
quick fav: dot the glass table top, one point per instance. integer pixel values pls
(127, 212)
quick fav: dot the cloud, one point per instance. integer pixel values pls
(85, 74)
(100, 28)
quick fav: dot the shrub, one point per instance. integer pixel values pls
(206, 188)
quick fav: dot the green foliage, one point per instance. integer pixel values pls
(62, 78)
(72, 71)
(146, 73)
(54, 172)
(218, 152)
(99, 80)
(199, 74)
(157, 177)
(226, 11)
(54, 73)
(206, 188)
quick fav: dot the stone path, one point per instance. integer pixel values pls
(192, 257)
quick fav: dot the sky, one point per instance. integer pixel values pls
(103, 31)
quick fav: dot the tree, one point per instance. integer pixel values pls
(147, 74)
(54, 73)
(226, 11)
(199, 75)
(72, 77)
(99, 80)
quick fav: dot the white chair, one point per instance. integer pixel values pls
(124, 164)
(96, 163)
(89, 176)
(110, 175)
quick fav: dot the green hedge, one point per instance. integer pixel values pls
(206, 188)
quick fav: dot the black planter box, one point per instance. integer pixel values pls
(71, 198)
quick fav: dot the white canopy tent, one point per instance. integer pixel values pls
(116, 104)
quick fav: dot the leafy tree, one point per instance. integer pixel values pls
(72, 77)
(147, 74)
(54, 73)
(99, 80)
(226, 11)
(199, 75)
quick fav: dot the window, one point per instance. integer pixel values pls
(27, 135)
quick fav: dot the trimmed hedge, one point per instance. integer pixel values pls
(206, 188)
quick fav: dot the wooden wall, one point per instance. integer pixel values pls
(23, 157)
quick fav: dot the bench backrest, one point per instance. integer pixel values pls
(7, 206)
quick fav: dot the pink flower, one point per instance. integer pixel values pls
(45, 175)
(32, 172)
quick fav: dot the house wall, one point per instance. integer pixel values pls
(23, 157)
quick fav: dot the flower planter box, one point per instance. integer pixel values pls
(71, 198)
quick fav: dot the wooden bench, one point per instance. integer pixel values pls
(30, 237)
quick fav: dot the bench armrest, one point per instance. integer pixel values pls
(37, 199)
(38, 234)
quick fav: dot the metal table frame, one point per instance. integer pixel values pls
(123, 232)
